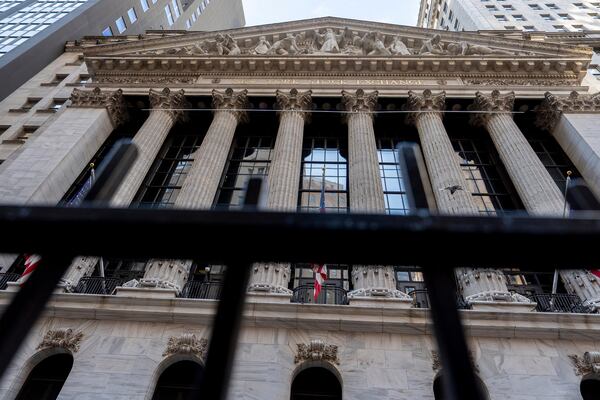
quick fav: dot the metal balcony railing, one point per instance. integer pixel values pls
(421, 300)
(566, 303)
(7, 277)
(98, 285)
(330, 294)
(202, 290)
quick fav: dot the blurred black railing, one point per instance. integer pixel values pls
(330, 294)
(202, 290)
(566, 303)
(98, 285)
(7, 277)
(420, 299)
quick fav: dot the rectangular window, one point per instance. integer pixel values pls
(580, 5)
(169, 16)
(529, 28)
(519, 17)
(560, 28)
(535, 7)
(394, 191)
(578, 28)
(553, 6)
(547, 17)
(107, 31)
(565, 16)
(132, 15)
(121, 26)
(145, 5)
(175, 9)
(188, 24)
(491, 8)
(508, 7)
(501, 18)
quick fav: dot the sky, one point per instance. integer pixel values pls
(401, 12)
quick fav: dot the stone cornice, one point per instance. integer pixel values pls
(425, 102)
(488, 104)
(350, 318)
(295, 101)
(231, 101)
(549, 112)
(111, 100)
(171, 102)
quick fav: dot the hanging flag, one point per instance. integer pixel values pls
(320, 270)
(595, 272)
(33, 260)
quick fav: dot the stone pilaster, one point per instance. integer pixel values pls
(584, 284)
(451, 191)
(202, 181)
(166, 111)
(450, 188)
(283, 181)
(535, 186)
(200, 186)
(96, 98)
(366, 190)
(79, 268)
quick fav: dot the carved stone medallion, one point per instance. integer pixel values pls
(588, 364)
(187, 343)
(65, 338)
(317, 350)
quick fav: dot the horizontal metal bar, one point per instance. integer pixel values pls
(230, 236)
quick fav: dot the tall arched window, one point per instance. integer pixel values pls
(47, 378)
(316, 383)
(438, 388)
(590, 387)
(179, 382)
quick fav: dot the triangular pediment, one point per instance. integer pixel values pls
(332, 37)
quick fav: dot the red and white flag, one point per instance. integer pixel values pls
(31, 263)
(596, 272)
(320, 270)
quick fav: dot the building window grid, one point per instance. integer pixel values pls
(489, 190)
(250, 157)
(553, 158)
(392, 181)
(166, 177)
(323, 152)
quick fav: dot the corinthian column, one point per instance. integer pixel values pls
(573, 121)
(166, 111)
(452, 192)
(366, 190)
(283, 182)
(535, 186)
(200, 185)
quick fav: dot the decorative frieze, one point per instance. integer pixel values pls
(317, 350)
(187, 344)
(549, 112)
(588, 364)
(112, 101)
(65, 338)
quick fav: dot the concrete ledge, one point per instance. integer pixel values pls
(378, 302)
(264, 297)
(502, 306)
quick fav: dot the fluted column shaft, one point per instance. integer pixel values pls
(584, 284)
(535, 186)
(200, 186)
(443, 166)
(283, 182)
(149, 139)
(365, 189)
(450, 189)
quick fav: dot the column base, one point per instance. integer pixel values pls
(381, 302)
(12, 287)
(269, 289)
(146, 292)
(268, 297)
(379, 293)
(502, 306)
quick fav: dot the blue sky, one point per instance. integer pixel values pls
(401, 12)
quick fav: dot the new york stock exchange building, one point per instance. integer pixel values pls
(316, 108)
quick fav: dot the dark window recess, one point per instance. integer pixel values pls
(391, 177)
(590, 387)
(164, 181)
(47, 378)
(529, 283)
(177, 382)
(250, 156)
(438, 392)
(334, 290)
(316, 383)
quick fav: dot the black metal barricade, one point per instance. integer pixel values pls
(532, 242)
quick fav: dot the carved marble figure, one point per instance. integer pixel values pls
(285, 46)
(398, 47)
(262, 47)
(432, 46)
(330, 40)
(469, 49)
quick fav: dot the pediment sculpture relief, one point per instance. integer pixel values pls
(329, 42)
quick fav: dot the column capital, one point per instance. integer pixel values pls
(495, 102)
(360, 101)
(548, 113)
(113, 102)
(427, 102)
(171, 102)
(234, 102)
(295, 101)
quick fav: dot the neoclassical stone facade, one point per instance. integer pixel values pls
(316, 108)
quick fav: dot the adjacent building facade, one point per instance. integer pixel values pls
(315, 106)
(33, 32)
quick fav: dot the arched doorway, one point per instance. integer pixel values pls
(179, 382)
(316, 383)
(438, 388)
(590, 387)
(47, 378)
